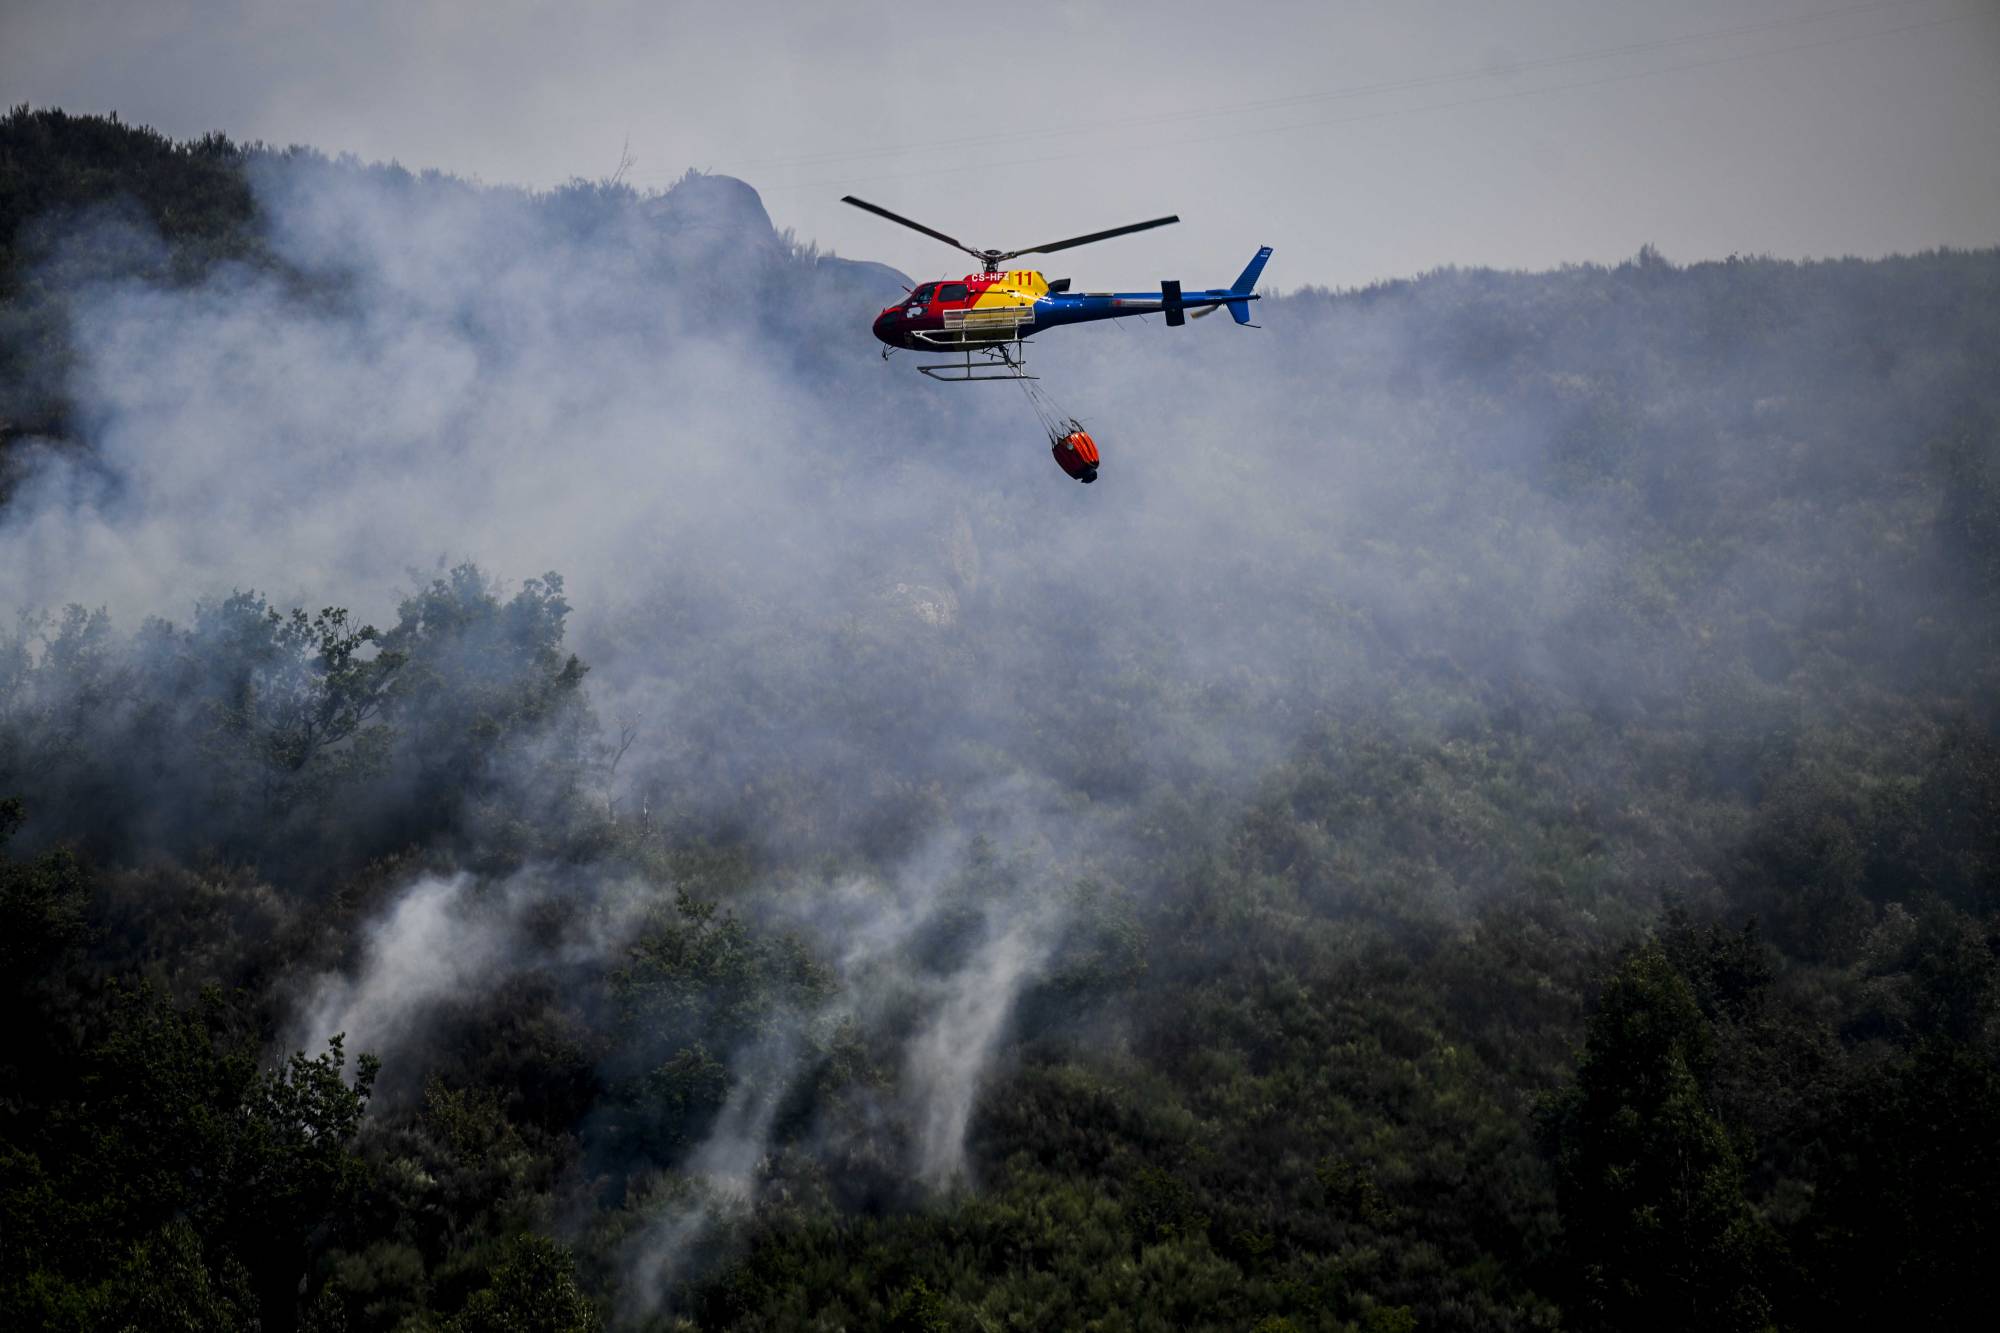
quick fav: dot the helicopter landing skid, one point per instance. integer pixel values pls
(963, 372)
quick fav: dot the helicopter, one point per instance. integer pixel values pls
(998, 309)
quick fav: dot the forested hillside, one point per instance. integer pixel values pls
(548, 788)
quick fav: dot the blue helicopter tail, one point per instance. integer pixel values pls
(1247, 283)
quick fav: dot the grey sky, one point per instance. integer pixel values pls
(1362, 140)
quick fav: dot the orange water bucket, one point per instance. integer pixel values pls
(1076, 454)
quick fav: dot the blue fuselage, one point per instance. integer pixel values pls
(925, 326)
(991, 309)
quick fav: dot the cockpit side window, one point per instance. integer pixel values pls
(951, 291)
(922, 295)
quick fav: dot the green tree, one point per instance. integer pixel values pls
(41, 909)
(489, 707)
(1904, 1227)
(167, 1284)
(1650, 1185)
(158, 1116)
(292, 1167)
(533, 1290)
(284, 690)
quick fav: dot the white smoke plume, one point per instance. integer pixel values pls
(455, 941)
(427, 947)
(454, 938)
(721, 1173)
(948, 1058)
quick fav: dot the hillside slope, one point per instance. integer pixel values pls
(1483, 817)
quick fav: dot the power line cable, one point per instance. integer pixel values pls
(1336, 94)
(1509, 95)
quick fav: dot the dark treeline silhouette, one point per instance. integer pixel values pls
(1511, 841)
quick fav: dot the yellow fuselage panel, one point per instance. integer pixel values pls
(1016, 288)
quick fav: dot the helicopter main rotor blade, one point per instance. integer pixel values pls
(1082, 240)
(880, 211)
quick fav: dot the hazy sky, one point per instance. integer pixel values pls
(1363, 140)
